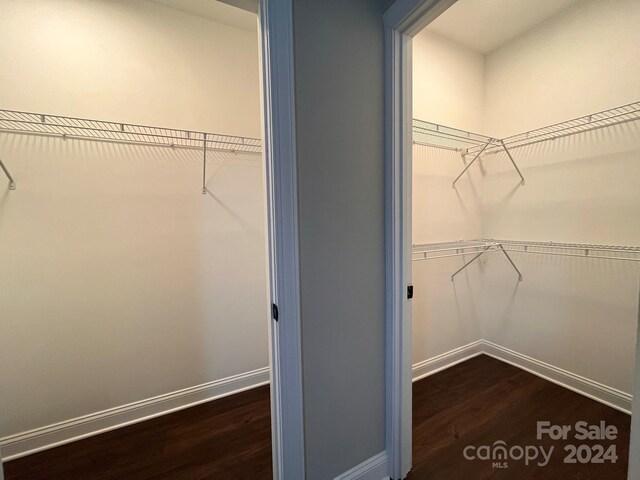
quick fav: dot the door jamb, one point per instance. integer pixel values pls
(275, 26)
(403, 20)
(279, 147)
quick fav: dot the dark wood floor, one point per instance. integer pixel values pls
(477, 402)
(482, 401)
(228, 438)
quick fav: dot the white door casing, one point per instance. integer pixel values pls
(279, 146)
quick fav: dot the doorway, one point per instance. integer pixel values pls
(456, 175)
(68, 147)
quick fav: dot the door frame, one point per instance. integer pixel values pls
(403, 20)
(275, 19)
(275, 32)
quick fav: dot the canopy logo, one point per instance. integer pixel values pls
(500, 453)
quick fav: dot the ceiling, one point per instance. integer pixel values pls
(216, 11)
(484, 25)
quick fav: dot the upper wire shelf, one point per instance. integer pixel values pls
(474, 144)
(13, 121)
(71, 127)
(463, 142)
(441, 136)
(586, 123)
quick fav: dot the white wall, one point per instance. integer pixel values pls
(574, 313)
(120, 280)
(448, 85)
(577, 314)
(580, 61)
(131, 61)
(448, 88)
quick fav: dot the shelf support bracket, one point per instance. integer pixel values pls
(470, 262)
(470, 163)
(499, 247)
(510, 261)
(204, 165)
(515, 165)
(12, 183)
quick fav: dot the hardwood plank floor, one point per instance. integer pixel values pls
(228, 438)
(484, 400)
(477, 402)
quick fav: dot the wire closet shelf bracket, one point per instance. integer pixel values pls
(12, 121)
(476, 145)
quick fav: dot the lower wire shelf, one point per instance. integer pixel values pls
(478, 247)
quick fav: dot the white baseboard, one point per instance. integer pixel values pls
(449, 359)
(589, 388)
(33, 441)
(374, 468)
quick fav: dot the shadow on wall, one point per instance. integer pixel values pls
(567, 310)
(114, 263)
(581, 188)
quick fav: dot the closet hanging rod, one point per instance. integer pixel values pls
(12, 121)
(12, 183)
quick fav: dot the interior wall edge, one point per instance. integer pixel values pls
(51, 436)
(446, 360)
(599, 392)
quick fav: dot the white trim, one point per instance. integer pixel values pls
(446, 360)
(411, 16)
(597, 391)
(33, 441)
(403, 19)
(39, 439)
(279, 140)
(398, 254)
(374, 468)
(609, 396)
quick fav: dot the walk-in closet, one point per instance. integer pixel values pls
(133, 279)
(526, 236)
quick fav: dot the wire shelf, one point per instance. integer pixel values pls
(430, 251)
(604, 119)
(441, 136)
(585, 250)
(70, 127)
(476, 145)
(477, 248)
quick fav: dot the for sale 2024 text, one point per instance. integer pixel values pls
(587, 452)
